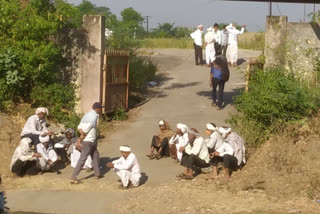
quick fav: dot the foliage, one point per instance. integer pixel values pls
(273, 99)
(252, 41)
(141, 71)
(120, 114)
(185, 43)
(167, 30)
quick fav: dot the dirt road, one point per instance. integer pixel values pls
(183, 95)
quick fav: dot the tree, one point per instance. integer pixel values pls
(130, 15)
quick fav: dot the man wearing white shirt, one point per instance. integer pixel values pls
(87, 142)
(127, 168)
(195, 154)
(224, 41)
(48, 155)
(180, 139)
(215, 139)
(232, 51)
(217, 39)
(197, 37)
(210, 51)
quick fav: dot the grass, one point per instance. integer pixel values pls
(249, 40)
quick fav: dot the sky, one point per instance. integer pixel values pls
(190, 13)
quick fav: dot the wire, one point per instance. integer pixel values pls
(279, 9)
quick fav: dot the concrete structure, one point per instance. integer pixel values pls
(91, 63)
(294, 46)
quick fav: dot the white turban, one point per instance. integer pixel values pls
(42, 110)
(182, 127)
(224, 131)
(44, 139)
(200, 26)
(161, 122)
(125, 149)
(211, 127)
(193, 133)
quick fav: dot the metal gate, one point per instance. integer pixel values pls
(115, 80)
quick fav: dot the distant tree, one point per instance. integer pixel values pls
(131, 15)
(182, 32)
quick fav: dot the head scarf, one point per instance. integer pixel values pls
(224, 131)
(184, 128)
(70, 130)
(23, 150)
(211, 127)
(125, 149)
(44, 139)
(42, 110)
(190, 131)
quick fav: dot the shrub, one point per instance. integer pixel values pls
(273, 99)
(120, 114)
(142, 70)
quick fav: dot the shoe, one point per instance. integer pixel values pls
(213, 104)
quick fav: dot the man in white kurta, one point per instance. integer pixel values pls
(49, 156)
(180, 139)
(127, 167)
(210, 51)
(232, 51)
(217, 38)
(197, 38)
(215, 139)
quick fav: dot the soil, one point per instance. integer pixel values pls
(280, 177)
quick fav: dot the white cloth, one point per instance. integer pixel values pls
(224, 37)
(179, 141)
(224, 131)
(125, 149)
(199, 149)
(210, 53)
(217, 36)
(225, 149)
(23, 152)
(128, 170)
(197, 37)
(237, 143)
(44, 139)
(34, 126)
(232, 51)
(47, 154)
(88, 125)
(42, 110)
(214, 141)
(75, 156)
(184, 128)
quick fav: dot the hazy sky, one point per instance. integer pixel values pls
(190, 13)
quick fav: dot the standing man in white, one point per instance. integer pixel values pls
(210, 51)
(127, 168)
(224, 40)
(217, 39)
(197, 37)
(232, 52)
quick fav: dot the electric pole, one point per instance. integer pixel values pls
(147, 20)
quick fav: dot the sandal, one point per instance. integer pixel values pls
(152, 157)
(180, 175)
(188, 177)
(149, 156)
(159, 157)
(75, 182)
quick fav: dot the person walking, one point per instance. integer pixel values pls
(197, 37)
(219, 75)
(87, 142)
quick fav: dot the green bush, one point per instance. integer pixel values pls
(142, 70)
(273, 99)
(120, 114)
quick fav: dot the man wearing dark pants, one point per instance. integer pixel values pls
(219, 75)
(197, 37)
(87, 142)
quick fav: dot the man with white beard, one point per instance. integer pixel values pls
(232, 51)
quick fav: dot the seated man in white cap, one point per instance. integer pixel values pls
(24, 160)
(160, 142)
(215, 139)
(36, 126)
(224, 154)
(48, 155)
(127, 168)
(195, 155)
(178, 140)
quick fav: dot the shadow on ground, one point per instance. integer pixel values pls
(227, 96)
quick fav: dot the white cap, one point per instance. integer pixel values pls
(161, 122)
(211, 127)
(125, 149)
(224, 131)
(44, 139)
(182, 127)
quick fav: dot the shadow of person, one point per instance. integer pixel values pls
(240, 61)
(144, 178)
(103, 168)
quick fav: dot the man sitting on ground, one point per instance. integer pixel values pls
(127, 168)
(180, 139)
(48, 155)
(195, 154)
(236, 142)
(160, 142)
(24, 160)
(36, 126)
(63, 147)
(215, 139)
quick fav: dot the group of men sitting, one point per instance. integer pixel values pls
(187, 147)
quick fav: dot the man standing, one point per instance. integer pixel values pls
(210, 50)
(232, 52)
(88, 142)
(224, 40)
(197, 37)
(217, 39)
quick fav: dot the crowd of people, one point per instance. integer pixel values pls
(193, 152)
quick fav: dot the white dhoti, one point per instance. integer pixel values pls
(52, 155)
(210, 53)
(126, 176)
(75, 155)
(179, 154)
(232, 53)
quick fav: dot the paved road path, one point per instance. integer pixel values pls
(182, 96)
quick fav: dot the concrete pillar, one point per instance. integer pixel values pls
(91, 63)
(275, 41)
